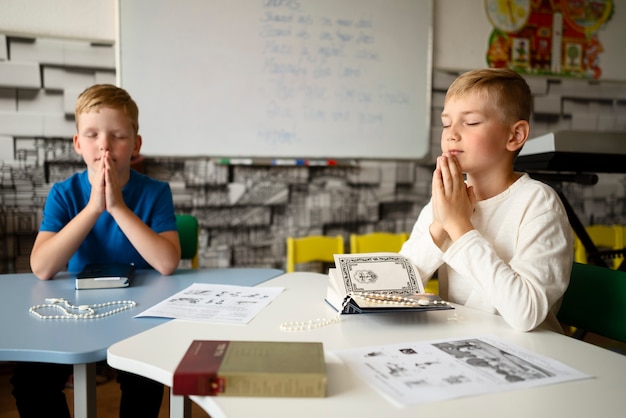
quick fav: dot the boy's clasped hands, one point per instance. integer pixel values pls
(452, 199)
(106, 192)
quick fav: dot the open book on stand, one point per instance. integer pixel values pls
(378, 282)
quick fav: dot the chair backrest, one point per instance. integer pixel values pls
(312, 248)
(377, 242)
(607, 237)
(188, 232)
(595, 301)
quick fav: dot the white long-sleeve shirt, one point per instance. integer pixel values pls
(516, 262)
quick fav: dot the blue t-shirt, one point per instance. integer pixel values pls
(150, 199)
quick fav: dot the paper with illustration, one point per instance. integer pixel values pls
(427, 371)
(215, 303)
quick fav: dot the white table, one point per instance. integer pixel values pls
(348, 395)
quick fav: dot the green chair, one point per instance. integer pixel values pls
(188, 232)
(595, 302)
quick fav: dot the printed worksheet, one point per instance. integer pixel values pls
(215, 303)
(427, 371)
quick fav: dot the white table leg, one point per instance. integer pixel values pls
(85, 390)
(180, 406)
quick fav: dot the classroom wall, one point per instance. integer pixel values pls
(455, 23)
(245, 212)
(93, 20)
(464, 24)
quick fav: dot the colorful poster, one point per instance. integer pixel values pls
(549, 37)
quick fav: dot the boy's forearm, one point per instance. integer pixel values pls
(458, 228)
(438, 234)
(46, 262)
(161, 251)
(52, 251)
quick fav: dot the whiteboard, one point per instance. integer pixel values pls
(279, 78)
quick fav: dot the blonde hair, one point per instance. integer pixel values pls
(507, 89)
(100, 96)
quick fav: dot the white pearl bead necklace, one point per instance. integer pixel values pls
(308, 325)
(377, 298)
(389, 299)
(70, 311)
(312, 324)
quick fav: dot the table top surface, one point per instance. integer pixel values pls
(303, 300)
(26, 337)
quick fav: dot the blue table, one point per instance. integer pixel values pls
(84, 342)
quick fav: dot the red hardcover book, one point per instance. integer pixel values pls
(252, 368)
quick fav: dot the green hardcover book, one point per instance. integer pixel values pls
(252, 368)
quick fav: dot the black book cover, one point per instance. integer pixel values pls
(105, 276)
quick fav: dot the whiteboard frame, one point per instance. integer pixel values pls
(155, 147)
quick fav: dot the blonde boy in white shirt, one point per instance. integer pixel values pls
(501, 241)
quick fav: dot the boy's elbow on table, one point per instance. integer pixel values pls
(42, 274)
(167, 269)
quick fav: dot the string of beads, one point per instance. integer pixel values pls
(70, 311)
(312, 324)
(308, 325)
(396, 300)
(378, 298)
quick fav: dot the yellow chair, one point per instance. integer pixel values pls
(188, 232)
(604, 237)
(312, 248)
(377, 242)
(432, 286)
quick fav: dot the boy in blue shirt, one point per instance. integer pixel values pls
(107, 213)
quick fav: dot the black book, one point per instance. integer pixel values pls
(105, 276)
